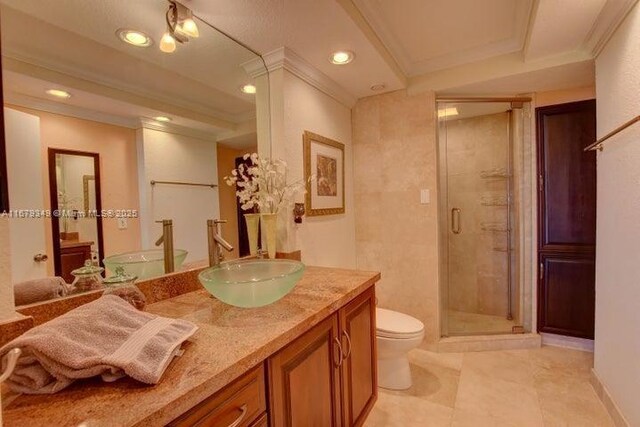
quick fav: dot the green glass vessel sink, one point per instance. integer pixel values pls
(252, 283)
(144, 264)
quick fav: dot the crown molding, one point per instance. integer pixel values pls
(25, 101)
(147, 123)
(608, 21)
(285, 58)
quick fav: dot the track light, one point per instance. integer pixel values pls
(168, 43)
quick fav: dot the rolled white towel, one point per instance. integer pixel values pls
(37, 290)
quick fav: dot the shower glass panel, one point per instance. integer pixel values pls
(479, 225)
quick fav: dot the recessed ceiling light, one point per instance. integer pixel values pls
(447, 112)
(134, 37)
(378, 88)
(342, 57)
(248, 88)
(162, 119)
(59, 93)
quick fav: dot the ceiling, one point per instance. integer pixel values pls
(411, 43)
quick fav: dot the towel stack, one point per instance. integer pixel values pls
(106, 337)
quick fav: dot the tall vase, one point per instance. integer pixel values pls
(252, 221)
(269, 228)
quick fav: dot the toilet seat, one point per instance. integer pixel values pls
(392, 324)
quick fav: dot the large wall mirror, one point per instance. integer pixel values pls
(120, 116)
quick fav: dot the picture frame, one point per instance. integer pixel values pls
(324, 161)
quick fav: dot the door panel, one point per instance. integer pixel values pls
(568, 176)
(567, 297)
(27, 235)
(567, 218)
(305, 379)
(359, 342)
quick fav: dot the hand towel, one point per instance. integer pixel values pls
(38, 290)
(107, 337)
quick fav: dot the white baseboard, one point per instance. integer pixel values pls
(604, 395)
(554, 340)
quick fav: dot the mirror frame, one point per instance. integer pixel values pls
(53, 196)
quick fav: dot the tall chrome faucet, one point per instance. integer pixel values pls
(216, 241)
(167, 241)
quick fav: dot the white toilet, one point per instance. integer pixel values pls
(396, 333)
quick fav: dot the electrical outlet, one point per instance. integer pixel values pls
(122, 223)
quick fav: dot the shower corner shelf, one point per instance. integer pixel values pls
(494, 227)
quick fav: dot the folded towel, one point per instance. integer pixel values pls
(106, 337)
(40, 290)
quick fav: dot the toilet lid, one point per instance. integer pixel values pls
(393, 324)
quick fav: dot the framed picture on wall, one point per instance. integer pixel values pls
(324, 160)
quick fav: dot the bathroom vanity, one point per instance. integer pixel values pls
(306, 359)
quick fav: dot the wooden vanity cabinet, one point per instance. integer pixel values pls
(327, 377)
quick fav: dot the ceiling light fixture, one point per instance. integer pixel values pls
(248, 88)
(59, 93)
(134, 37)
(180, 27)
(162, 119)
(447, 112)
(378, 87)
(342, 57)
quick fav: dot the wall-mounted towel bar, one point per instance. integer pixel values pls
(154, 182)
(598, 144)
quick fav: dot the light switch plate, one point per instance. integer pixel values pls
(425, 197)
(122, 223)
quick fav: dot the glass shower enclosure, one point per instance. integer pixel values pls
(480, 146)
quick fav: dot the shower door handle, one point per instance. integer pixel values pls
(455, 221)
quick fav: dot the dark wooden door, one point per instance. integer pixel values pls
(566, 218)
(360, 385)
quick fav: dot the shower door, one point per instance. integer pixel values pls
(475, 142)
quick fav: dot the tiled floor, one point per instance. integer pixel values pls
(541, 387)
(463, 323)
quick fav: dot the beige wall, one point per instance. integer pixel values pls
(6, 287)
(563, 96)
(228, 206)
(394, 143)
(297, 106)
(118, 171)
(617, 335)
(478, 256)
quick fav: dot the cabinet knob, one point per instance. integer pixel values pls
(40, 257)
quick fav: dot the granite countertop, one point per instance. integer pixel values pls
(230, 341)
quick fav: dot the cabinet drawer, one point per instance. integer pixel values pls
(237, 405)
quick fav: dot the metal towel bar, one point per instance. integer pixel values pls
(154, 182)
(598, 144)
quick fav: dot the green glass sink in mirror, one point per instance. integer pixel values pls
(251, 283)
(144, 264)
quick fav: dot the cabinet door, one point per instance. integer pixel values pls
(567, 295)
(358, 336)
(304, 379)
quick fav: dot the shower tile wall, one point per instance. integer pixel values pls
(477, 149)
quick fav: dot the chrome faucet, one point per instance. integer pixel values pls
(216, 242)
(167, 241)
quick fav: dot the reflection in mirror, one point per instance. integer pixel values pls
(117, 138)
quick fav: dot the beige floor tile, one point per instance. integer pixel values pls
(407, 411)
(425, 358)
(573, 410)
(512, 365)
(462, 418)
(433, 381)
(498, 398)
(572, 362)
